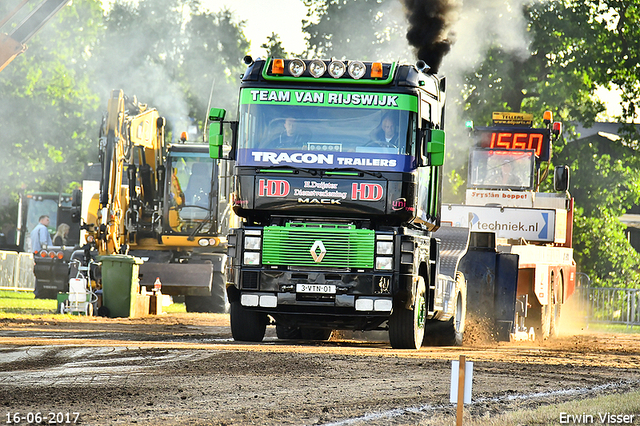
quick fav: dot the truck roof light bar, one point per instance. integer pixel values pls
(329, 70)
(317, 68)
(297, 67)
(337, 69)
(357, 70)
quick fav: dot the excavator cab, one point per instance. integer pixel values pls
(191, 195)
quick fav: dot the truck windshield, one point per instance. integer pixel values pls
(349, 135)
(325, 129)
(501, 169)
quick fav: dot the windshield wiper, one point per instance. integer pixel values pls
(353, 169)
(288, 169)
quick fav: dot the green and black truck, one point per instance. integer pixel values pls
(338, 180)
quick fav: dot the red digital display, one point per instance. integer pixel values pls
(535, 139)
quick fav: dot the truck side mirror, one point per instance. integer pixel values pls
(561, 178)
(435, 147)
(216, 138)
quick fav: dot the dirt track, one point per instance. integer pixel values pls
(185, 369)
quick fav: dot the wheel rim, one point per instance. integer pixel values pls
(457, 316)
(419, 314)
(420, 308)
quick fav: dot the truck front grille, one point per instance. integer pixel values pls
(334, 246)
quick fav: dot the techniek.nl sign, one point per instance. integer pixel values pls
(305, 159)
(530, 224)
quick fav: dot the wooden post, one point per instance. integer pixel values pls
(460, 391)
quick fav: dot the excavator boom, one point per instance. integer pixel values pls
(14, 43)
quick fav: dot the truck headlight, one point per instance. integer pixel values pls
(384, 263)
(251, 258)
(384, 247)
(252, 243)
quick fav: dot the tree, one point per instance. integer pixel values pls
(167, 52)
(172, 55)
(213, 61)
(369, 30)
(274, 47)
(605, 184)
(47, 108)
(573, 48)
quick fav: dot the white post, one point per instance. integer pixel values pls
(461, 380)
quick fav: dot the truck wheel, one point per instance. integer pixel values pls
(320, 334)
(451, 332)
(555, 319)
(556, 309)
(539, 318)
(246, 325)
(406, 326)
(215, 303)
(288, 333)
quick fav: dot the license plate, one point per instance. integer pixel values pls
(316, 288)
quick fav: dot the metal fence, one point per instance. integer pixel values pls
(16, 271)
(608, 305)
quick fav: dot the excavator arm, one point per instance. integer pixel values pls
(132, 143)
(13, 44)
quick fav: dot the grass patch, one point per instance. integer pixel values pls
(612, 328)
(16, 303)
(617, 405)
(175, 308)
(24, 302)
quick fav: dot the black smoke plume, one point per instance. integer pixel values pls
(430, 33)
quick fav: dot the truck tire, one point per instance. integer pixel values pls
(288, 333)
(556, 308)
(555, 319)
(215, 303)
(539, 317)
(450, 332)
(246, 325)
(406, 326)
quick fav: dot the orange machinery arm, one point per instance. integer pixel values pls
(13, 44)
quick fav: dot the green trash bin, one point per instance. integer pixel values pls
(120, 283)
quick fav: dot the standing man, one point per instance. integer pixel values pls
(40, 234)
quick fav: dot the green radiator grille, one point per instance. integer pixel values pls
(336, 246)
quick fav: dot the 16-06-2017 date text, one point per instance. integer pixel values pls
(50, 418)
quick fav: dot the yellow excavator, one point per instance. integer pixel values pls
(165, 203)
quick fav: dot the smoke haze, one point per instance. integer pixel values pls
(429, 32)
(452, 37)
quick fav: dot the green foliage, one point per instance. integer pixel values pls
(605, 184)
(603, 178)
(172, 55)
(274, 47)
(167, 52)
(603, 252)
(47, 110)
